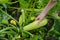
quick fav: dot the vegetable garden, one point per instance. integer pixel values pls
(29, 20)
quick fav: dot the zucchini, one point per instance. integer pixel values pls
(35, 25)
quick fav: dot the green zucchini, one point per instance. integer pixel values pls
(35, 25)
(20, 20)
(22, 17)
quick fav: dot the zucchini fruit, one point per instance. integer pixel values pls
(35, 25)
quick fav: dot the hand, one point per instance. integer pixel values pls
(46, 9)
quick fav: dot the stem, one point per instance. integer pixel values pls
(5, 29)
(29, 9)
(28, 33)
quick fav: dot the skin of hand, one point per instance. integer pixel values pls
(50, 4)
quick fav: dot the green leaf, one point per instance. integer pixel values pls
(57, 25)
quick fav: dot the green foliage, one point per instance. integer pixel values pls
(3, 1)
(22, 12)
(3, 18)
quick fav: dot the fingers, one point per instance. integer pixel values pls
(45, 11)
(38, 18)
(41, 16)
